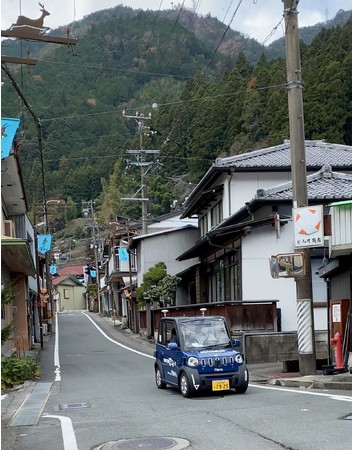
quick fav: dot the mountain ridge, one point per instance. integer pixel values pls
(209, 105)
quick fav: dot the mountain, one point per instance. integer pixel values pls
(208, 104)
(207, 29)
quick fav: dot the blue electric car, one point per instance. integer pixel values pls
(197, 354)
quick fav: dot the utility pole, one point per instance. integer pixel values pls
(45, 206)
(144, 167)
(142, 163)
(88, 210)
(304, 292)
(38, 302)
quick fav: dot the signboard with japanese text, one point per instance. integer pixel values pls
(309, 226)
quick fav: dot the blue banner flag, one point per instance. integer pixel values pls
(123, 254)
(8, 131)
(44, 243)
(53, 270)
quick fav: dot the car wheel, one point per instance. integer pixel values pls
(184, 385)
(243, 384)
(158, 379)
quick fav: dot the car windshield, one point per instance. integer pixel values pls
(205, 334)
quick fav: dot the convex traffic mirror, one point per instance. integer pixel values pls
(287, 265)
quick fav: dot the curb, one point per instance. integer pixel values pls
(312, 384)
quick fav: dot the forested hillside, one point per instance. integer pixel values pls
(208, 105)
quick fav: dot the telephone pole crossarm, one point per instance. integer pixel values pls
(142, 163)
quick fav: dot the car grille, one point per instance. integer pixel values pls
(217, 362)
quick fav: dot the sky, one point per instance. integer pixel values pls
(254, 18)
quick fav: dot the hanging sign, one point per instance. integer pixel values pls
(123, 254)
(44, 243)
(8, 131)
(309, 226)
(53, 270)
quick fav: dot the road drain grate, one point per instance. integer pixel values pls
(151, 443)
(74, 406)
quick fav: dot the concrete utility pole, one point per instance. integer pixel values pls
(88, 210)
(142, 163)
(305, 316)
(45, 205)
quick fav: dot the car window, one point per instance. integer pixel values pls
(201, 333)
(171, 334)
(167, 332)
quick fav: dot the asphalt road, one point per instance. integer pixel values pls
(103, 396)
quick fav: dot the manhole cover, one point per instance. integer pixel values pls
(150, 443)
(74, 406)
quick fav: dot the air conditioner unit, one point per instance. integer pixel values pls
(9, 228)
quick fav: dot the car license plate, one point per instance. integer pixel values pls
(220, 385)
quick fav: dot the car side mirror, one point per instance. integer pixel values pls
(172, 346)
(236, 342)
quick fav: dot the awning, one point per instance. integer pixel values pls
(342, 203)
(16, 256)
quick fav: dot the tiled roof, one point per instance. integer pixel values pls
(318, 153)
(321, 185)
(71, 270)
(58, 280)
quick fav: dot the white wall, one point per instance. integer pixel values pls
(244, 187)
(166, 247)
(257, 283)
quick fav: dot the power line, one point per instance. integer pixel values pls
(175, 23)
(222, 23)
(191, 21)
(176, 102)
(155, 22)
(223, 36)
(272, 32)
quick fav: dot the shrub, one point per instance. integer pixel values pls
(157, 286)
(15, 371)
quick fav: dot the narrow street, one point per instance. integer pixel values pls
(107, 399)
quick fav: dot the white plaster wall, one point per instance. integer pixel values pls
(257, 283)
(166, 248)
(244, 186)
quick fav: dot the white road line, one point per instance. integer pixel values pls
(343, 398)
(115, 342)
(56, 351)
(68, 435)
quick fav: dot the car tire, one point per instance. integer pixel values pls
(243, 385)
(184, 385)
(158, 378)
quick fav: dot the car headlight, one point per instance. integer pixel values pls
(238, 358)
(192, 361)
